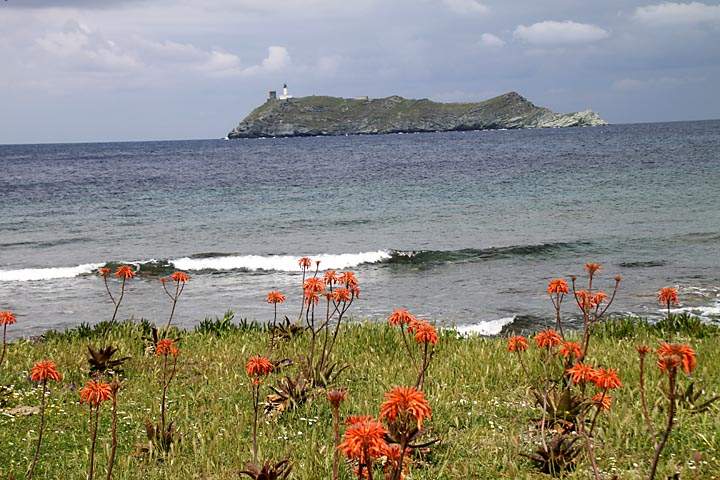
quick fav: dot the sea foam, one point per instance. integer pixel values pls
(491, 327)
(28, 274)
(279, 263)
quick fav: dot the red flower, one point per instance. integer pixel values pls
(275, 297)
(404, 403)
(607, 378)
(642, 350)
(581, 373)
(668, 296)
(7, 318)
(180, 277)
(364, 442)
(591, 268)
(348, 279)
(314, 285)
(557, 286)
(401, 316)
(305, 263)
(424, 332)
(330, 277)
(598, 298)
(570, 349)
(104, 272)
(589, 301)
(94, 393)
(602, 400)
(336, 397)
(685, 354)
(353, 419)
(43, 371)
(125, 271)
(548, 338)
(258, 366)
(341, 295)
(167, 346)
(517, 343)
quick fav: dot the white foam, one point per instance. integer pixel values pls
(28, 274)
(492, 327)
(704, 312)
(281, 263)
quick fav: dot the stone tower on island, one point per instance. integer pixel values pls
(272, 94)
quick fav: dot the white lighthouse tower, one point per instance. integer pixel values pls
(285, 95)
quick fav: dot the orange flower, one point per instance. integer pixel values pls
(581, 373)
(180, 277)
(314, 285)
(557, 286)
(353, 419)
(668, 296)
(336, 397)
(602, 401)
(275, 297)
(685, 353)
(642, 350)
(404, 403)
(364, 441)
(401, 316)
(104, 272)
(570, 349)
(598, 298)
(258, 366)
(330, 277)
(305, 263)
(7, 318)
(517, 343)
(341, 295)
(348, 279)
(43, 371)
(167, 346)
(311, 298)
(125, 271)
(591, 268)
(94, 393)
(548, 338)
(425, 332)
(607, 378)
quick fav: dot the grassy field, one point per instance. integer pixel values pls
(482, 412)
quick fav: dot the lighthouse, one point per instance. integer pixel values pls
(285, 95)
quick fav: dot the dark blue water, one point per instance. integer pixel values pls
(462, 227)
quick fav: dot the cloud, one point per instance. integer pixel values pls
(490, 40)
(99, 4)
(465, 7)
(223, 64)
(559, 33)
(85, 50)
(631, 84)
(670, 13)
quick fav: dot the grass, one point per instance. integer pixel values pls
(482, 410)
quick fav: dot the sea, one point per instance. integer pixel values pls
(463, 228)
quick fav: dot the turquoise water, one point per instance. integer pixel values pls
(460, 227)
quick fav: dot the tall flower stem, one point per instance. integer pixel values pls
(256, 401)
(114, 441)
(178, 291)
(36, 456)
(93, 440)
(672, 377)
(4, 347)
(423, 367)
(336, 442)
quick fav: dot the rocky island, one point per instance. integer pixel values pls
(286, 116)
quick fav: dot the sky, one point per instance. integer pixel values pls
(114, 70)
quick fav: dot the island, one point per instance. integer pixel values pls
(287, 116)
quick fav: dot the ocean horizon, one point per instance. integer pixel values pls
(463, 228)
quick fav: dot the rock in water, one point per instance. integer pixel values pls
(319, 115)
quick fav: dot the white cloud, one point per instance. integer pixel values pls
(224, 64)
(669, 13)
(86, 50)
(490, 40)
(559, 33)
(630, 84)
(465, 7)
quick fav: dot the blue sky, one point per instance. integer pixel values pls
(105, 70)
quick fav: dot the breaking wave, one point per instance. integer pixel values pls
(216, 261)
